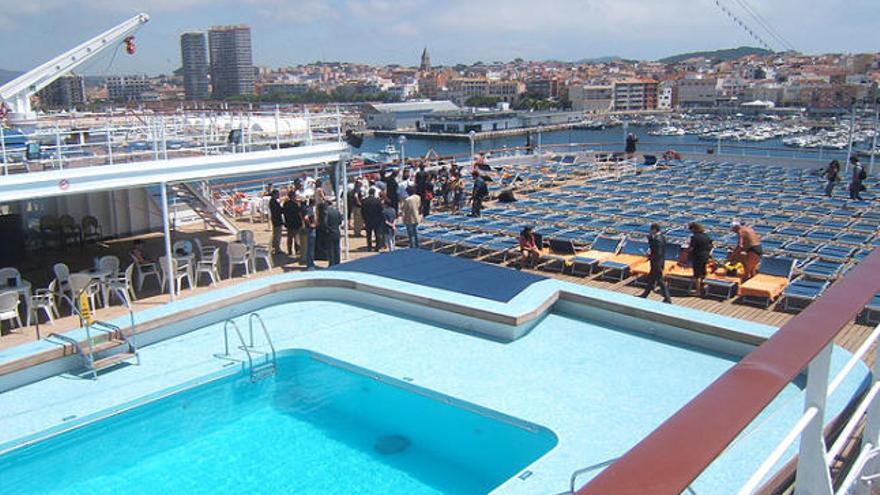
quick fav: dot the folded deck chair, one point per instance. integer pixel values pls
(801, 292)
(619, 266)
(822, 270)
(871, 314)
(603, 248)
(773, 277)
(558, 253)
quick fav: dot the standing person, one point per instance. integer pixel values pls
(293, 222)
(832, 173)
(410, 209)
(391, 190)
(748, 249)
(657, 256)
(276, 214)
(481, 190)
(428, 195)
(631, 141)
(859, 175)
(373, 219)
(421, 179)
(320, 195)
(355, 205)
(389, 218)
(700, 250)
(310, 223)
(457, 192)
(331, 222)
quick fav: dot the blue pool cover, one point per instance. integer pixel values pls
(445, 272)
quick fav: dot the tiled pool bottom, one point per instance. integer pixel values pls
(312, 429)
(599, 389)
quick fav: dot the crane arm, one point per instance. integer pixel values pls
(17, 92)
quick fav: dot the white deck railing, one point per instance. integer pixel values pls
(814, 459)
(112, 139)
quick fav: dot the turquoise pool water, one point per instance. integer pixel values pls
(315, 428)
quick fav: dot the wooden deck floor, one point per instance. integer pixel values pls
(37, 269)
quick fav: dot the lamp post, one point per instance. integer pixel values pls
(540, 128)
(849, 138)
(874, 140)
(402, 141)
(472, 136)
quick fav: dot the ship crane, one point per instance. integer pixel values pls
(15, 96)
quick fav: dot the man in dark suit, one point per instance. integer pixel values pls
(657, 255)
(374, 221)
(330, 223)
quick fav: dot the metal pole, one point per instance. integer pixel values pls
(874, 140)
(166, 227)
(338, 127)
(308, 117)
(344, 166)
(205, 133)
(472, 135)
(852, 128)
(540, 128)
(164, 141)
(58, 147)
(277, 128)
(3, 151)
(109, 145)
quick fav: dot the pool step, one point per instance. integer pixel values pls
(262, 371)
(113, 360)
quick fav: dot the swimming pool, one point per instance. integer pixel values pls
(597, 371)
(318, 426)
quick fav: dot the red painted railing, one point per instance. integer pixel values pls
(669, 459)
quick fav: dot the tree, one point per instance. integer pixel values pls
(482, 101)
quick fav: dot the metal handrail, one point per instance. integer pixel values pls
(243, 345)
(251, 318)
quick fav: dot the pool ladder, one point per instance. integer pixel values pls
(257, 371)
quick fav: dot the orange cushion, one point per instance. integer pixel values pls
(762, 285)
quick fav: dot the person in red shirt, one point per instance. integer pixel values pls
(531, 253)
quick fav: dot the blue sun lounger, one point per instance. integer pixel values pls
(801, 292)
(822, 270)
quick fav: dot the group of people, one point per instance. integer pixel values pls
(746, 255)
(310, 221)
(857, 180)
(378, 204)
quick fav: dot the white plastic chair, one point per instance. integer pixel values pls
(184, 246)
(82, 283)
(144, 270)
(109, 263)
(179, 271)
(62, 275)
(9, 273)
(239, 254)
(210, 265)
(45, 299)
(202, 251)
(9, 307)
(122, 286)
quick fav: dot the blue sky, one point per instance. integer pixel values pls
(386, 31)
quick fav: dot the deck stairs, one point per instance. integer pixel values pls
(102, 338)
(194, 196)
